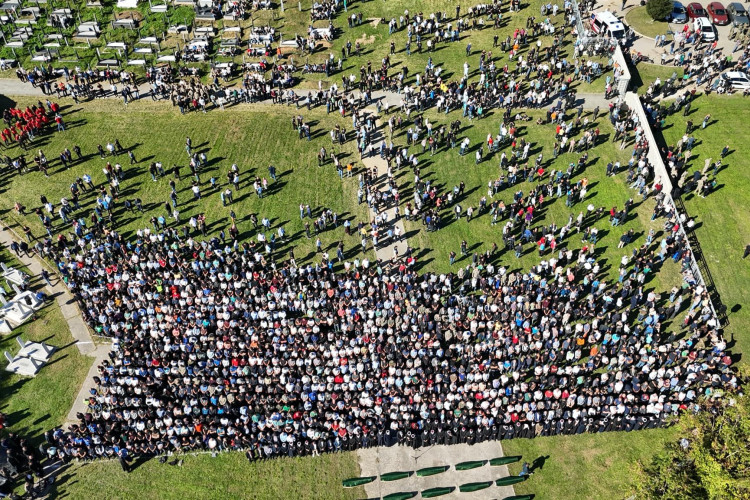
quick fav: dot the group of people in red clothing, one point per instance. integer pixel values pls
(22, 125)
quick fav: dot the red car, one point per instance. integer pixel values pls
(696, 10)
(717, 13)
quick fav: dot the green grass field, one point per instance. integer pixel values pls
(233, 136)
(228, 475)
(647, 74)
(586, 466)
(34, 405)
(448, 169)
(638, 19)
(226, 138)
(721, 218)
(578, 467)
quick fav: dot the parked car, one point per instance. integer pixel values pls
(737, 80)
(703, 26)
(717, 13)
(678, 14)
(738, 14)
(696, 10)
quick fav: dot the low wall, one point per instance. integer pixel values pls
(654, 156)
(624, 81)
(662, 175)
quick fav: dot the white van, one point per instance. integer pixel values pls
(606, 24)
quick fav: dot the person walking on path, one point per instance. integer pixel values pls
(46, 277)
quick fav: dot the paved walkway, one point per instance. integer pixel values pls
(388, 248)
(646, 45)
(380, 460)
(80, 403)
(14, 87)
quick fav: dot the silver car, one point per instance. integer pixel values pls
(678, 14)
(737, 80)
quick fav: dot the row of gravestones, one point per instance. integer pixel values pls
(444, 490)
(32, 356)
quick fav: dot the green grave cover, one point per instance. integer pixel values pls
(394, 476)
(505, 460)
(436, 492)
(469, 487)
(507, 481)
(356, 481)
(431, 471)
(402, 495)
(470, 465)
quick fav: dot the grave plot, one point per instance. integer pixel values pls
(30, 359)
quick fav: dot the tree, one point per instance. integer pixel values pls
(659, 9)
(711, 460)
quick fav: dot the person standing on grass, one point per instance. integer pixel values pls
(525, 469)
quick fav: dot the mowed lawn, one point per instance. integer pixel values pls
(156, 132)
(448, 169)
(723, 225)
(640, 21)
(228, 475)
(586, 466)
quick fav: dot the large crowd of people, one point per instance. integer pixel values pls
(221, 344)
(216, 350)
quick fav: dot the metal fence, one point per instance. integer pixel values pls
(698, 264)
(699, 261)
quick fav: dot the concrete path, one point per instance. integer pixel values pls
(388, 248)
(646, 45)
(380, 460)
(80, 404)
(14, 87)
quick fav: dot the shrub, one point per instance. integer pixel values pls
(659, 9)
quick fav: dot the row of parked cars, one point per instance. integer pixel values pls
(606, 23)
(705, 19)
(714, 12)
